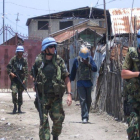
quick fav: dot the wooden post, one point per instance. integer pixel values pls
(107, 57)
(135, 22)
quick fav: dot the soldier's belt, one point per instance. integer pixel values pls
(51, 94)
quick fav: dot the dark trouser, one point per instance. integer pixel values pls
(17, 89)
(85, 101)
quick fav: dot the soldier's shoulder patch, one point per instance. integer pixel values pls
(132, 49)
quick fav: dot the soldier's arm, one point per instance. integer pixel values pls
(65, 75)
(74, 70)
(93, 65)
(126, 72)
(69, 97)
(9, 68)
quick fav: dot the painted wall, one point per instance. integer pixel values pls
(34, 32)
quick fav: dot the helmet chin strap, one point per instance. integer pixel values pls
(48, 53)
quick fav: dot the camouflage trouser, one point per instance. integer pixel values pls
(17, 88)
(133, 120)
(54, 107)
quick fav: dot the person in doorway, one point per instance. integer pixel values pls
(84, 66)
(51, 76)
(17, 66)
(131, 75)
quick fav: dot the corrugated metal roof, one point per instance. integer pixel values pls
(69, 32)
(67, 35)
(82, 12)
(122, 22)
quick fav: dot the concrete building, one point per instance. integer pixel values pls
(43, 26)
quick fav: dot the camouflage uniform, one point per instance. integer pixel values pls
(132, 90)
(21, 68)
(49, 74)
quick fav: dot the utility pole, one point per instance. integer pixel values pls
(3, 21)
(49, 26)
(17, 21)
(106, 33)
(106, 65)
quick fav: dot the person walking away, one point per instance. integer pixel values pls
(17, 65)
(51, 76)
(83, 66)
(131, 74)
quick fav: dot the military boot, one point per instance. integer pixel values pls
(55, 138)
(15, 109)
(19, 109)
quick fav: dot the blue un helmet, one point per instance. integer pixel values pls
(47, 42)
(19, 49)
(138, 38)
(84, 52)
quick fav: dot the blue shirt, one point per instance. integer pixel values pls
(82, 83)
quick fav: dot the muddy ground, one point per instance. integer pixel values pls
(25, 126)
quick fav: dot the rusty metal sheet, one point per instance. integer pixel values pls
(6, 52)
(67, 35)
(32, 49)
(122, 22)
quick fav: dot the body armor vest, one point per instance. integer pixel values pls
(84, 72)
(132, 86)
(49, 71)
(49, 76)
(18, 67)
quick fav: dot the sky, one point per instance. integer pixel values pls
(24, 9)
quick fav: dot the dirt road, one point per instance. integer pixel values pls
(25, 126)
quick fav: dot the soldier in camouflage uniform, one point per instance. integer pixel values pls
(131, 74)
(51, 75)
(84, 66)
(17, 65)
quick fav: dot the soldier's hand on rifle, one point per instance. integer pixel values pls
(69, 100)
(13, 75)
(23, 82)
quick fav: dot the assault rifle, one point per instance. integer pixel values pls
(14, 71)
(38, 101)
